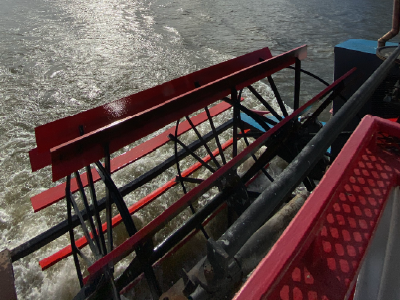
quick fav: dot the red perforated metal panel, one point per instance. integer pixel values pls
(320, 253)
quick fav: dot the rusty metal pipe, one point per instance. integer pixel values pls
(395, 25)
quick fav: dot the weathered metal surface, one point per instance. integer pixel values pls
(7, 288)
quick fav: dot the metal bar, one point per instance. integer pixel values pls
(235, 121)
(253, 155)
(110, 245)
(265, 103)
(7, 283)
(68, 157)
(259, 119)
(251, 219)
(83, 225)
(178, 169)
(101, 251)
(103, 246)
(311, 75)
(197, 85)
(191, 180)
(58, 230)
(309, 184)
(204, 143)
(91, 223)
(263, 239)
(324, 105)
(173, 138)
(118, 200)
(130, 228)
(277, 96)
(297, 73)
(215, 135)
(71, 232)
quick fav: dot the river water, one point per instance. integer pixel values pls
(60, 57)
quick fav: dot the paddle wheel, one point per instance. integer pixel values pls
(220, 131)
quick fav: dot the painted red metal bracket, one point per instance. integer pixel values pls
(63, 130)
(320, 253)
(172, 211)
(55, 194)
(81, 151)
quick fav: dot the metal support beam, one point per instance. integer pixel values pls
(277, 96)
(297, 68)
(7, 286)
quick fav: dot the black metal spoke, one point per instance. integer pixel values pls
(261, 120)
(197, 85)
(221, 152)
(91, 223)
(108, 201)
(324, 105)
(117, 199)
(182, 179)
(253, 155)
(236, 114)
(297, 67)
(100, 244)
(130, 227)
(203, 142)
(265, 103)
(173, 138)
(178, 168)
(83, 225)
(277, 96)
(311, 75)
(71, 231)
(92, 191)
(189, 179)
